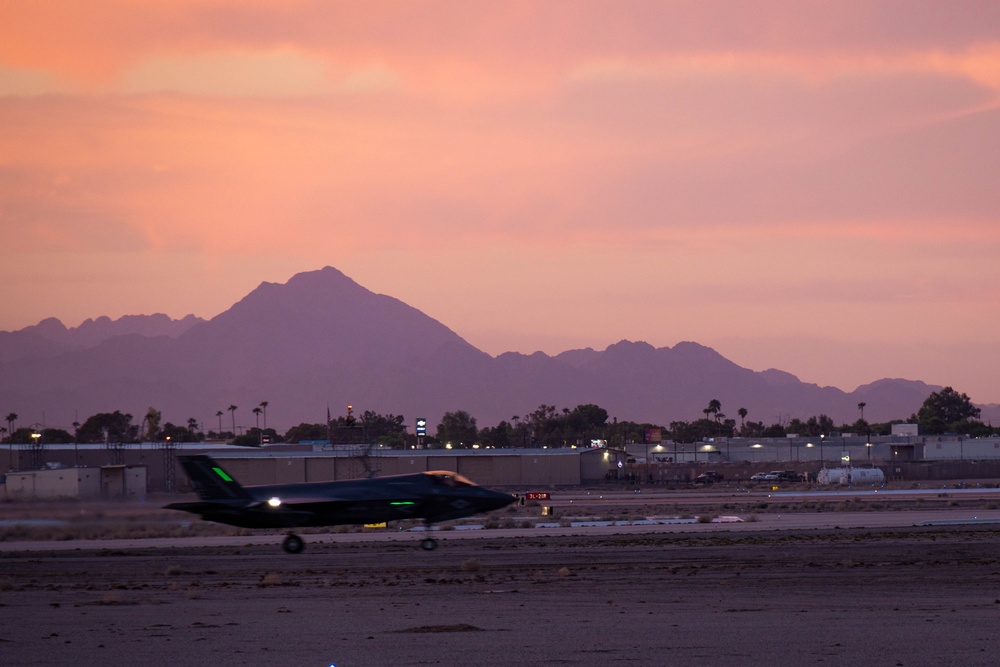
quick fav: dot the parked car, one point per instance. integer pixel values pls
(789, 476)
(708, 477)
(759, 476)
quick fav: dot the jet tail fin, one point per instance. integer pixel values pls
(210, 480)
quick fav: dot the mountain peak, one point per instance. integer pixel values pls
(327, 279)
(322, 339)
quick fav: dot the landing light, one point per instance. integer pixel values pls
(274, 502)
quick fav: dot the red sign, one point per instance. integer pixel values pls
(536, 495)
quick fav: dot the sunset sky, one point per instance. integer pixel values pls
(810, 186)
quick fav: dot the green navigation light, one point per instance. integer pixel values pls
(222, 473)
(402, 502)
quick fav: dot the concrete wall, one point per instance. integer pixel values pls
(531, 469)
(115, 481)
(549, 470)
(61, 483)
(289, 470)
(952, 448)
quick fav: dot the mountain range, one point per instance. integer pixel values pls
(321, 341)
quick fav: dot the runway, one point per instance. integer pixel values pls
(859, 582)
(797, 521)
(697, 594)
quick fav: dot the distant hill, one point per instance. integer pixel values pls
(50, 336)
(322, 340)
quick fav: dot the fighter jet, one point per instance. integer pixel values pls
(431, 496)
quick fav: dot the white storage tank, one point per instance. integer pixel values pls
(863, 476)
(830, 475)
(850, 476)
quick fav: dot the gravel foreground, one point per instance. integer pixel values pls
(898, 597)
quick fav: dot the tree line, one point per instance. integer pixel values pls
(945, 411)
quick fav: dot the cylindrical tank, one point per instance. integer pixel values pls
(830, 475)
(863, 476)
(850, 476)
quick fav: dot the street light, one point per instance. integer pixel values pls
(36, 450)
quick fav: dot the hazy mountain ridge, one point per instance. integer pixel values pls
(93, 332)
(323, 340)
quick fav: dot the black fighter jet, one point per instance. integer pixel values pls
(431, 496)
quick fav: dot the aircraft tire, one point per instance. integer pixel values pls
(428, 544)
(293, 544)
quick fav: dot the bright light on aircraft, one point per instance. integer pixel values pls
(274, 502)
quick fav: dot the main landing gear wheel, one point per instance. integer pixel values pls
(428, 544)
(293, 544)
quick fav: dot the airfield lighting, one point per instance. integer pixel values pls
(274, 502)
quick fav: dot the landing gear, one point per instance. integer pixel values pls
(293, 544)
(428, 544)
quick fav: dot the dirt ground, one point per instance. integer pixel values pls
(898, 597)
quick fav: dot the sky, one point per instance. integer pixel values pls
(809, 186)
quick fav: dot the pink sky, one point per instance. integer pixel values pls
(807, 186)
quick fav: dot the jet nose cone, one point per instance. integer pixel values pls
(499, 500)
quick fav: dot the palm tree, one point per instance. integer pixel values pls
(861, 406)
(152, 421)
(219, 415)
(256, 412)
(232, 409)
(11, 418)
(742, 412)
(263, 406)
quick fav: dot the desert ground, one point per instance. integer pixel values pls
(773, 591)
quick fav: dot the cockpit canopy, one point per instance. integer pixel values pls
(446, 478)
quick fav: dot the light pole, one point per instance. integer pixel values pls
(36, 447)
